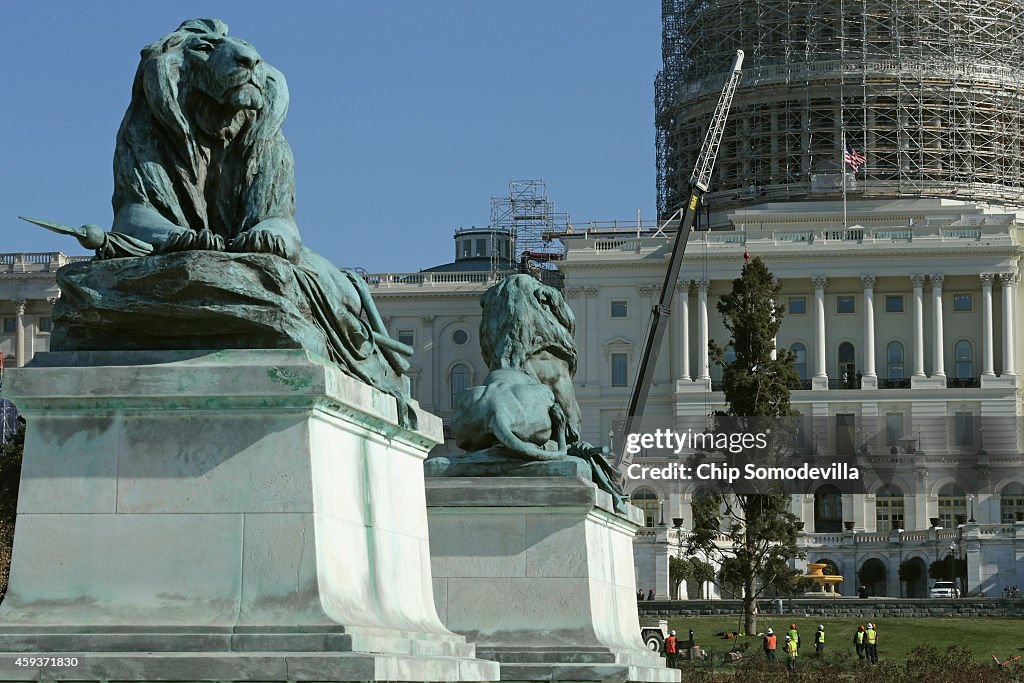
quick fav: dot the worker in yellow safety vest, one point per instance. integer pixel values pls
(794, 635)
(819, 640)
(858, 642)
(792, 653)
(871, 643)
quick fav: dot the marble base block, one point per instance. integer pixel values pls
(238, 515)
(538, 572)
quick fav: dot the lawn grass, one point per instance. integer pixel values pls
(982, 636)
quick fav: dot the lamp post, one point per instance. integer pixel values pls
(971, 520)
(661, 512)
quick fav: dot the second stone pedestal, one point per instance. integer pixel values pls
(538, 572)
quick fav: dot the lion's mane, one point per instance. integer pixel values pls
(159, 162)
(522, 317)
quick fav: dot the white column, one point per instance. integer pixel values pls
(683, 292)
(868, 281)
(579, 309)
(1009, 281)
(820, 372)
(938, 361)
(19, 333)
(703, 362)
(591, 339)
(431, 371)
(988, 364)
(918, 282)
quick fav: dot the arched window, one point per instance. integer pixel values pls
(964, 354)
(952, 502)
(458, 380)
(847, 362)
(894, 361)
(646, 500)
(889, 508)
(1011, 502)
(799, 360)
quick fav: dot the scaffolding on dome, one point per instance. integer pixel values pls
(529, 217)
(930, 91)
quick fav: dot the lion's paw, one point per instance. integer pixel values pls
(264, 242)
(190, 240)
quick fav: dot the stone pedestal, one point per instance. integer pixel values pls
(233, 515)
(538, 572)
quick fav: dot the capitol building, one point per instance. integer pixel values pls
(899, 278)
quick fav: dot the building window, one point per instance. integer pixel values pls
(619, 370)
(481, 247)
(412, 387)
(798, 305)
(889, 508)
(458, 379)
(893, 429)
(460, 337)
(893, 303)
(952, 502)
(894, 360)
(963, 429)
(799, 352)
(46, 325)
(407, 337)
(619, 309)
(467, 248)
(963, 302)
(10, 325)
(1011, 502)
(844, 304)
(964, 354)
(646, 500)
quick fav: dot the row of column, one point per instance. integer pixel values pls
(1008, 280)
(21, 351)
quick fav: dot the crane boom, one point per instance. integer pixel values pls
(660, 312)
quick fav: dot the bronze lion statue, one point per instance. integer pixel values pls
(526, 408)
(201, 165)
(527, 399)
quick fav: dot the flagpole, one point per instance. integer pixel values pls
(842, 166)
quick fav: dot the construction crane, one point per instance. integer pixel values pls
(660, 312)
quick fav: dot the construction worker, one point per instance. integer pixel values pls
(871, 643)
(791, 653)
(819, 640)
(794, 635)
(858, 642)
(769, 645)
(671, 649)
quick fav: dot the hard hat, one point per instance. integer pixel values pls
(821, 627)
(671, 633)
(788, 638)
(870, 625)
(860, 628)
(792, 625)
(770, 631)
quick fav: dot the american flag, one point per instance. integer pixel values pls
(854, 158)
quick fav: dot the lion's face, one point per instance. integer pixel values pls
(227, 70)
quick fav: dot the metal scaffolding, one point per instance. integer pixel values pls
(529, 217)
(931, 91)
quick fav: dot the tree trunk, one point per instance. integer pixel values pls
(749, 609)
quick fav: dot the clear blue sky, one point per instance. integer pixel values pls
(406, 116)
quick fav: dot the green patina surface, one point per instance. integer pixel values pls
(204, 251)
(294, 380)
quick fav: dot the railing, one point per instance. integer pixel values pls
(963, 382)
(801, 385)
(847, 383)
(37, 261)
(889, 234)
(961, 233)
(894, 383)
(428, 279)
